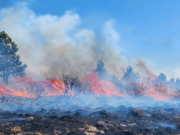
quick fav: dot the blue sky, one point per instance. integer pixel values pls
(149, 29)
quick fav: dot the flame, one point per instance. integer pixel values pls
(30, 88)
(102, 87)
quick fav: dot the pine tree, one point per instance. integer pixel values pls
(162, 77)
(100, 68)
(130, 76)
(103, 73)
(10, 64)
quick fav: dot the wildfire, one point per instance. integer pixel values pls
(102, 87)
(29, 88)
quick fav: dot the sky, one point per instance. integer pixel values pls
(148, 30)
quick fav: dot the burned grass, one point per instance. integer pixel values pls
(123, 121)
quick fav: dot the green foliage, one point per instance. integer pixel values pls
(10, 64)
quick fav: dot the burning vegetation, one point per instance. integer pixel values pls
(100, 103)
(99, 83)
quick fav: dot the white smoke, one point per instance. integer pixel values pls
(58, 45)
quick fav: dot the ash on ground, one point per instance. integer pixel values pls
(58, 116)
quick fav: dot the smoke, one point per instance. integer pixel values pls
(58, 45)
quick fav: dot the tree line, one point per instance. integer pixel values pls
(11, 66)
(130, 76)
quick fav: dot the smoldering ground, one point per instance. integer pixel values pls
(88, 102)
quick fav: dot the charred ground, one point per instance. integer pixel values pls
(160, 119)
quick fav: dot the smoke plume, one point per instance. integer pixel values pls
(58, 45)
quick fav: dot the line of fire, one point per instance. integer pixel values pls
(99, 82)
(99, 104)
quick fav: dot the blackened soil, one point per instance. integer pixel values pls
(118, 121)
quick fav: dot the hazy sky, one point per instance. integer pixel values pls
(148, 29)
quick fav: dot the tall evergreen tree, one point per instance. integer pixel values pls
(10, 64)
(100, 67)
(130, 76)
(103, 73)
(172, 80)
(162, 77)
(178, 83)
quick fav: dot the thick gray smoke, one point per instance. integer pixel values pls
(58, 45)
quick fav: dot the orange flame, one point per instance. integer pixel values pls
(30, 88)
(102, 87)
